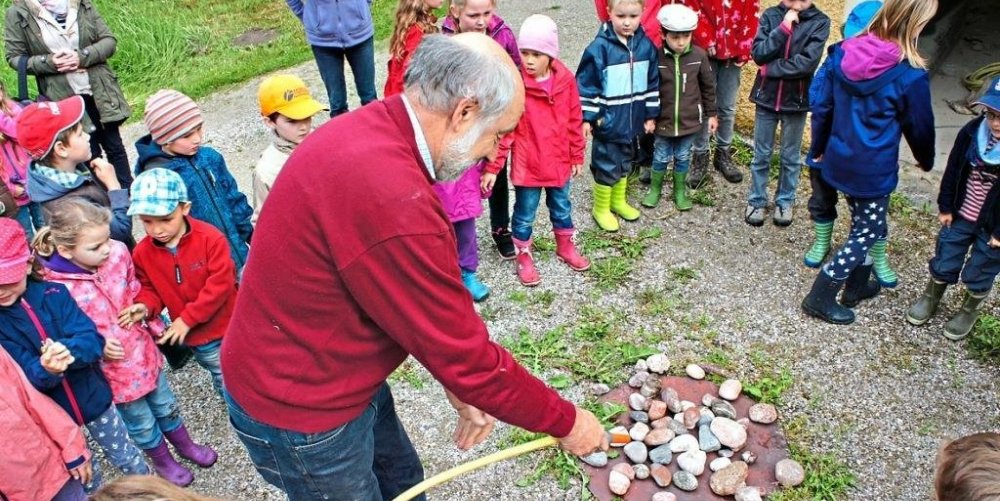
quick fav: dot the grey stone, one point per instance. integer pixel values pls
(641, 471)
(719, 463)
(637, 379)
(789, 473)
(618, 483)
(692, 462)
(685, 481)
(636, 452)
(748, 493)
(683, 443)
(730, 389)
(599, 389)
(661, 454)
(597, 459)
(658, 363)
(707, 441)
(638, 402)
(639, 416)
(639, 431)
(729, 432)
(694, 371)
(763, 413)
(670, 397)
(724, 409)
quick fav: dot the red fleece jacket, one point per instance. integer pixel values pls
(369, 275)
(197, 284)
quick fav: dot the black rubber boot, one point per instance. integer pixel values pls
(859, 286)
(698, 173)
(927, 305)
(822, 301)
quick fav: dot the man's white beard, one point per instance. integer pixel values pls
(456, 157)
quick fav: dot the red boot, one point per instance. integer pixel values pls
(526, 271)
(566, 249)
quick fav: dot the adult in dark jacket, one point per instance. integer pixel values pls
(67, 49)
(788, 48)
(876, 92)
(970, 221)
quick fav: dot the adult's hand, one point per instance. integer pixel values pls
(473, 425)
(587, 435)
(66, 61)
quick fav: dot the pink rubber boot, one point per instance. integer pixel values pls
(526, 271)
(566, 249)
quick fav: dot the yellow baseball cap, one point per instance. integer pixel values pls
(288, 95)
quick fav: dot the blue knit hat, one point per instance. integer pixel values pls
(157, 192)
(860, 17)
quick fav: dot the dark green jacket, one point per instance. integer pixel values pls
(22, 37)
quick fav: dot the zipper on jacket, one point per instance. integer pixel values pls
(677, 93)
(177, 267)
(781, 81)
(631, 79)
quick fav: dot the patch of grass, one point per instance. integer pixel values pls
(596, 324)
(827, 478)
(605, 412)
(538, 353)
(518, 296)
(611, 272)
(984, 343)
(769, 388)
(561, 465)
(488, 313)
(721, 358)
(594, 240)
(657, 302)
(683, 275)
(543, 298)
(704, 197)
(603, 362)
(408, 373)
(544, 244)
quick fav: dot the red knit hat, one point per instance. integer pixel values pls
(14, 253)
(40, 123)
(170, 116)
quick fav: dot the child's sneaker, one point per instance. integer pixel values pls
(477, 289)
(503, 240)
(754, 216)
(782, 215)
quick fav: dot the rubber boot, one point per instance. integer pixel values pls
(602, 208)
(201, 455)
(681, 200)
(883, 272)
(699, 170)
(566, 249)
(619, 201)
(821, 247)
(477, 289)
(655, 189)
(927, 305)
(646, 175)
(168, 467)
(527, 274)
(961, 324)
(724, 164)
(859, 285)
(822, 301)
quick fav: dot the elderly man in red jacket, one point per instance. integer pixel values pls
(354, 267)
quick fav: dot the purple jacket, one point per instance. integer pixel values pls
(462, 198)
(497, 30)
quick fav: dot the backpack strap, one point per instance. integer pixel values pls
(42, 334)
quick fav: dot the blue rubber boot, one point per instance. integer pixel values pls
(478, 289)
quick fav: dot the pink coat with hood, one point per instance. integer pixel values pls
(40, 441)
(13, 158)
(101, 295)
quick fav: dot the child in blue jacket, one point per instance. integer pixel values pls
(59, 350)
(619, 85)
(174, 142)
(970, 221)
(876, 91)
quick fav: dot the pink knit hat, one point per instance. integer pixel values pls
(14, 253)
(170, 116)
(539, 33)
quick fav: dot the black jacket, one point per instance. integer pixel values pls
(955, 180)
(787, 59)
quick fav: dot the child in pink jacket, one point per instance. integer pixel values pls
(14, 161)
(76, 251)
(462, 201)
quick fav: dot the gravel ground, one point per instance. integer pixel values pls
(879, 394)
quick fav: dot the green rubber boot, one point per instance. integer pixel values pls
(681, 200)
(619, 201)
(883, 272)
(927, 305)
(817, 253)
(602, 208)
(655, 189)
(961, 324)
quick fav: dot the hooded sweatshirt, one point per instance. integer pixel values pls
(44, 190)
(497, 30)
(871, 98)
(787, 57)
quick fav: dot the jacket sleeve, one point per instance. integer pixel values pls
(8, 125)
(121, 223)
(31, 364)
(503, 150)
(577, 143)
(80, 333)
(589, 85)
(50, 418)
(822, 115)
(769, 42)
(239, 208)
(953, 169)
(602, 10)
(804, 63)
(706, 82)
(147, 292)
(16, 45)
(818, 84)
(918, 121)
(296, 6)
(653, 87)
(104, 44)
(704, 33)
(419, 302)
(219, 285)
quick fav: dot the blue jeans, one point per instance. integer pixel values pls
(207, 356)
(30, 216)
(764, 129)
(727, 90)
(367, 459)
(677, 149)
(110, 433)
(330, 61)
(953, 244)
(149, 417)
(526, 201)
(868, 224)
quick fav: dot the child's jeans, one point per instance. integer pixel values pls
(764, 129)
(823, 201)
(868, 224)
(610, 162)
(727, 91)
(110, 433)
(677, 149)
(468, 247)
(149, 417)
(526, 201)
(30, 216)
(953, 244)
(207, 356)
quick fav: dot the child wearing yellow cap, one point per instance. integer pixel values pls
(288, 109)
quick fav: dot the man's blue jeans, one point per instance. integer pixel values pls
(367, 459)
(330, 61)
(764, 129)
(526, 201)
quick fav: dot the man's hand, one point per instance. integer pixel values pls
(487, 181)
(713, 124)
(587, 435)
(105, 173)
(945, 219)
(473, 425)
(587, 130)
(176, 333)
(113, 349)
(83, 473)
(649, 126)
(56, 357)
(132, 315)
(576, 170)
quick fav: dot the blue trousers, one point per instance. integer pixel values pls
(330, 61)
(526, 200)
(610, 162)
(963, 238)
(764, 130)
(367, 459)
(207, 356)
(30, 216)
(677, 149)
(868, 224)
(149, 417)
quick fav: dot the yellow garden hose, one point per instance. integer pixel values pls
(462, 469)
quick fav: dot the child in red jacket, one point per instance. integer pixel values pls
(183, 265)
(414, 19)
(548, 147)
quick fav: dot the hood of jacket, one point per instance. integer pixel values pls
(559, 75)
(450, 26)
(868, 63)
(42, 189)
(148, 151)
